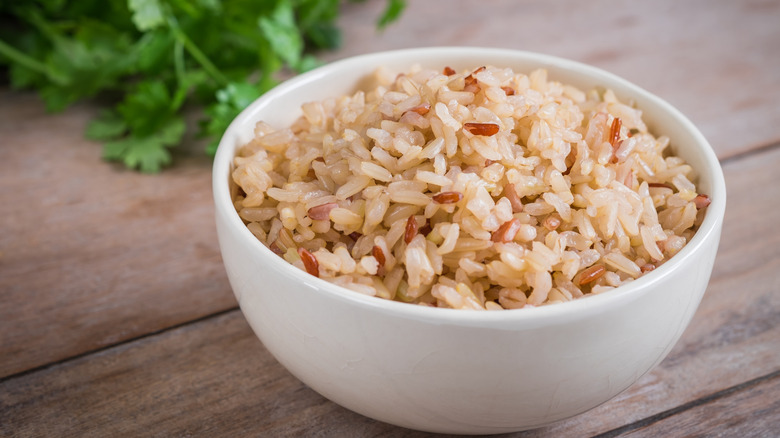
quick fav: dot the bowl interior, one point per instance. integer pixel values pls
(281, 106)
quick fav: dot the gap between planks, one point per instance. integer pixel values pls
(118, 344)
(739, 156)
(690, 405)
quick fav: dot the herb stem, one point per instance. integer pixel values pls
(28, 62)
(178, 63)
(178, 60)
(194, 50)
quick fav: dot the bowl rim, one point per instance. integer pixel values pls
(709, 229)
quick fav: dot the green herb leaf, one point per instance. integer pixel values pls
(282, 33)
(151, 58)
(231, 100)
(154, 51)
(308, 62)
(146, 107)
(82, 64)
(146, 153)
(391, 13)
(324, 35)
(107, 126)
(317, 21)
(147, 14)
(238, 94)
(209, 5)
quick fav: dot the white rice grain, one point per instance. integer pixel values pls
(380, 163)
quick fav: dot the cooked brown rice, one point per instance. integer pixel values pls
(486, 189)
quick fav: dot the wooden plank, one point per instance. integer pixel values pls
(205, 379)
(213, 376)
(99, 255)
(92, 254)
(750, 412)
(695, 54)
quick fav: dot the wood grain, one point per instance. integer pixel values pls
(213, 376)
(99, 255)
(208, 378)
(752, 411)
(91, 254)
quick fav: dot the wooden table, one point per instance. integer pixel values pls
(116, 317)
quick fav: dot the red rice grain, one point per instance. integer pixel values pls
(592, 274)
(511, 194)
(378, 255)
(275, 248)
(647, 267)
(486, 129)
(309, 262)
(447, 197)
(507, 231)
(614, 133)
(426, 229)
(321, 212)
(702, 201)
(421, 109)
(411, 229)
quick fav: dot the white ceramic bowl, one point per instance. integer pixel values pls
(458, 371)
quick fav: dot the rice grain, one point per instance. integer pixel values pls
(485, 189)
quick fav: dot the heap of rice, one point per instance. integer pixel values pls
(486, 189)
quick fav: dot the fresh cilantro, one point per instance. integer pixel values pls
(147, 153)
(231, 100)
(391, 13)
(316, 19)
(107, 126)
(147, 14)
(153, 57)
(281, 32)
(141, 130)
